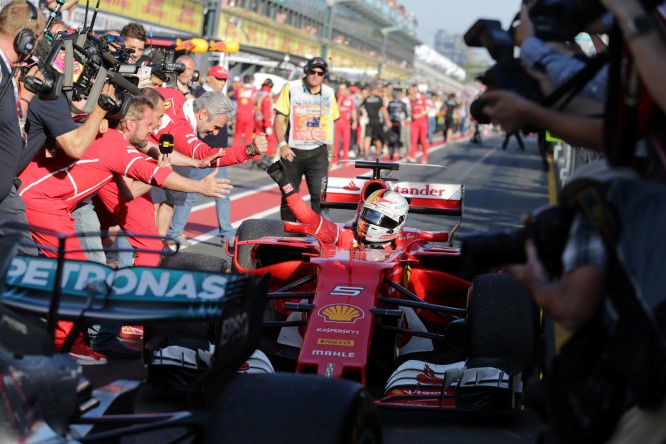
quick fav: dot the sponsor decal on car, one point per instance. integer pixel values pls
(340, 331)
(132, 283)
(346, 290)
(334, 354)
(339, 342)
(341, 313)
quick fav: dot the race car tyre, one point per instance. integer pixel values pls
(253, 229)
(288, 408)
(503, 322)
(195, 262)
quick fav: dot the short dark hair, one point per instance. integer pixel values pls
(134, 31)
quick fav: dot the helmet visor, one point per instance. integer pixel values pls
(376, 218)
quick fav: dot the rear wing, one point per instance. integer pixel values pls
(96, 293)
(423, 197)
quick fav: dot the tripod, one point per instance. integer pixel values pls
(519, 139)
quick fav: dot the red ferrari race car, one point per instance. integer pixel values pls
(401, 320)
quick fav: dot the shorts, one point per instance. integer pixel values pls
(173, 198)
(374, 130)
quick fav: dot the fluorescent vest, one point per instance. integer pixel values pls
(310, 116)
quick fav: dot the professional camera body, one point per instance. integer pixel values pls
(508, 73)
(78, 65)
(162, 65)
(548, 228)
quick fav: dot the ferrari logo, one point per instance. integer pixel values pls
(342, 313)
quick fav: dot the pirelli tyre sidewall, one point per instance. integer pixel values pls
(293, 409)
(503, 322)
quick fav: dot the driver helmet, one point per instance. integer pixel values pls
(381, 217)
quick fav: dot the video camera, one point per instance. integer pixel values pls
(548, 227)
(78, 65)
(162, 66)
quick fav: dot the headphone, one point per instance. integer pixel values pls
(315, 60)
(25, 40)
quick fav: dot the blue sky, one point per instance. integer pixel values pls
(457, 15)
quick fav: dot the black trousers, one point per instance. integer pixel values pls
(313, 164)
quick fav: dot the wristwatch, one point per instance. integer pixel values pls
(638, 26)
(249, 150)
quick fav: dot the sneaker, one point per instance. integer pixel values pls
(410, 159)
(84, 355)
(131, 332)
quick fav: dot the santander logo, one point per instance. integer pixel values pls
(406, 189)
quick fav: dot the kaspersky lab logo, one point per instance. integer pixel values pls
(341, 313)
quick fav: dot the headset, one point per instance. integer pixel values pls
(315, 60)
(25, 40)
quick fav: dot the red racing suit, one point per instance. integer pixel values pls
(263, 117)
(346, 106)
(326, 231)
(244, 115)
(419, 105)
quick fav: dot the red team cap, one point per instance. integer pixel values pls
(218, 72)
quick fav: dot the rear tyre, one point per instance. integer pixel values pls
(292, 409)
(503, 322)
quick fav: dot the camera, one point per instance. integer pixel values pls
(163, 66)
(508, 73)
(548, 227)
(78, 65)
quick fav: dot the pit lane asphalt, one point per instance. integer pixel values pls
(499, 187)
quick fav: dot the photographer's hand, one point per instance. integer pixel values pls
(507, 109)
(525, 28)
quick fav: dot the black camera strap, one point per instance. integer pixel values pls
(567, 91)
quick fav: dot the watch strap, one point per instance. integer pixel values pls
(638, 26)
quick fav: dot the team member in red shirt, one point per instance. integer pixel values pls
(129, 202)
(52, 188)
(347, 122)
(199, 118)
(263, 115)
(244, 126)
(419, 105)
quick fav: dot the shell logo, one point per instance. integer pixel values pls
(342, 313)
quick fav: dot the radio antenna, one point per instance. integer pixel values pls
(85, 18)
(92, 22)
(52, 15)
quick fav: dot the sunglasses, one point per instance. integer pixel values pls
(319, 73)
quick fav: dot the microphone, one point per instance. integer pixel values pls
(166, 145)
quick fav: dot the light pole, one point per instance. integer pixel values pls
(385, 33)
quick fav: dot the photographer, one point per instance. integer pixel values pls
(609, 381)
(557, 66)
(134, 36)
(20, 22)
